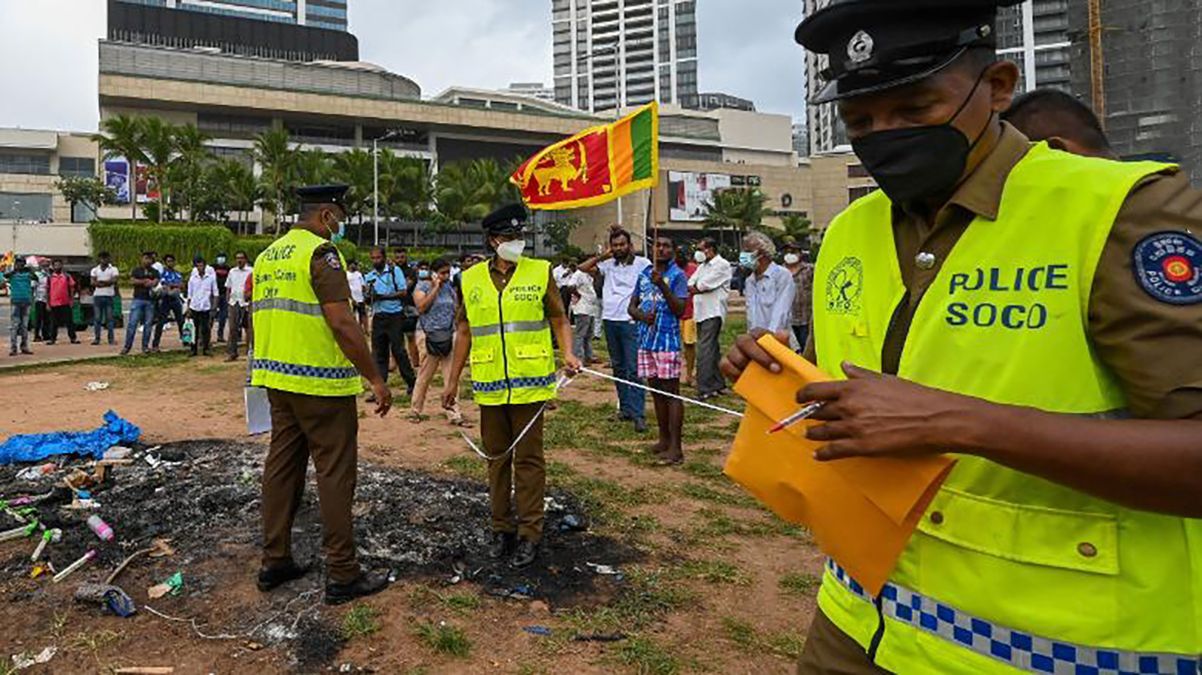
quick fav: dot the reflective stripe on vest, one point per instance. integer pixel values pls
(295, 349)
(1006, 320)
(513, 327)
(512, 361)
(1013, 647)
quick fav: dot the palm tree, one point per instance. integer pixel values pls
(237, 183)
(406, 187)
(121, 138)
(737, 209)
(275, 158)
(354, 168)
(191, 158)
(158, 147)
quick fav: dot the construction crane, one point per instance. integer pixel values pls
(1097, 63)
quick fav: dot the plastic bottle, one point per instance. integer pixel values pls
(100, 528)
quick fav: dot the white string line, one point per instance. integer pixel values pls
(561, 384)
(653, 390)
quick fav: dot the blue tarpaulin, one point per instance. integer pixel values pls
(91, 444)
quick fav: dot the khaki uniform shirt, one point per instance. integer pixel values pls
(1153, 348)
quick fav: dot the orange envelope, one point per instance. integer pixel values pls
(860, 511)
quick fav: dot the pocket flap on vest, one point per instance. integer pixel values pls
(1035, 535)
(531, 352)
(484, 354)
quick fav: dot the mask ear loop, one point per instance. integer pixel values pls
(964, 105)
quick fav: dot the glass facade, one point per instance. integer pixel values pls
(328, 14)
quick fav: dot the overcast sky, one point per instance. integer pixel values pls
(48, 79)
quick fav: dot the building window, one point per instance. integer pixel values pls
(19, 206)
(27, 164)
(857, 192)
(84, 167)
(856, 171)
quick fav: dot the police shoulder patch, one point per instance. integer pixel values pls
(332, 261)
(1168, 266)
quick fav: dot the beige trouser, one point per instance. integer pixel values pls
(431, 364)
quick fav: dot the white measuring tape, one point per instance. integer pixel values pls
(562, 383)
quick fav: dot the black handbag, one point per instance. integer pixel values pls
(439, 342)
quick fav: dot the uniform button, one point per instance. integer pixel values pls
(937, 517)
(1087, 549)
(925, 260)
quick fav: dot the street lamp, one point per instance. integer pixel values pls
(375, 180)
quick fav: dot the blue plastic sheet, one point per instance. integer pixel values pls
(91, 444)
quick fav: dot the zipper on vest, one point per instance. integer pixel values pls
(504, 354)
(880, 631)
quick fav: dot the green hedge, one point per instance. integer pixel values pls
(126, 242)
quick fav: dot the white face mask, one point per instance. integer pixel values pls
(792, 258)
(511, 251)
(699, 256)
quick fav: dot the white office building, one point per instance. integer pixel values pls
(616, 53)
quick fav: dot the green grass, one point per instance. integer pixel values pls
(462, 602)
(648, 657)
(709, 494)
(717, 523)
(700, 468)
(714, 572)
(647, 596)
(749, 640)
(360, 621)
(468, 466)
(799, 583)
(444, 639)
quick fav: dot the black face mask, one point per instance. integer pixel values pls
(918, 162)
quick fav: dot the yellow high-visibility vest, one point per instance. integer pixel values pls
(295, 349)
(512, 358)
(1009, 572)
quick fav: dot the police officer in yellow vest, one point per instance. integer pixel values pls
(1039, 316)
(309, 353)
(510, 306)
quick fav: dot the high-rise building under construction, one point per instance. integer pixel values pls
(1140, 66)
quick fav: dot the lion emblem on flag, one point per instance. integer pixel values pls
(563, 165)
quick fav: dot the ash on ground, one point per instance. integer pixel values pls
(204, 497)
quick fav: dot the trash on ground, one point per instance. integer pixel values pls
(87, 557)
(538, 630)
(172, 584)
(118, 452)
(89, 444)
(24, 660)
(111, 597)
(606, 570)
(572, 523)
(51, 536)
(36, 472)
(100, 528)
(96, 386)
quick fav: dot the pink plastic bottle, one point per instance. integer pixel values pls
(100, 528)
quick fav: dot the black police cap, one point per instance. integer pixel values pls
(509, 220)
(876, 45)
(323, 194)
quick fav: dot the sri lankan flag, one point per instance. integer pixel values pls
(595, 166)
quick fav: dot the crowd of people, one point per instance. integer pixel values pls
(47, 300)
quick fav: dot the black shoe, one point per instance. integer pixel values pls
(12, 352)
(501, 544)
(640, 426)
(95, 342)
(124, 352)
(270, 579)
(525, 554)
(368, 583)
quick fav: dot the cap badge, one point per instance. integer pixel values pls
(859, 48)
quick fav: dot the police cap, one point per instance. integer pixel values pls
(323, 194)
(876, 45)
(507, 221)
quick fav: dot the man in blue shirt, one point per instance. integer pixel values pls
(170, 306)
(21, 283)
(657, 304)
(387, 286)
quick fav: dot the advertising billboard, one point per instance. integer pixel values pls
(116, 178)
(688, 194)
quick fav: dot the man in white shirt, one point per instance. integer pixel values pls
(769, 288)
(584, 311)
(710, 285)
(621, 269)
(104, 285)
(235, 291)
(202, 289)
(354, 279)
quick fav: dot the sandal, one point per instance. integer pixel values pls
(668, 461)
(417, 418)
